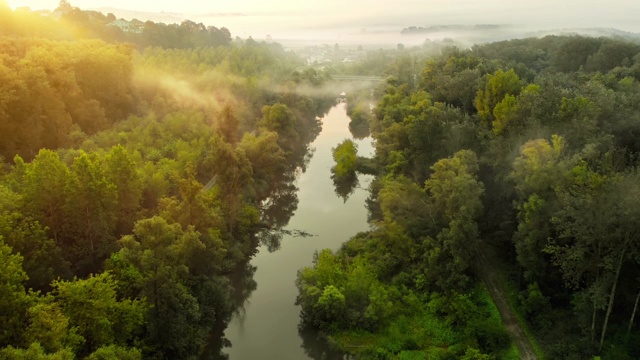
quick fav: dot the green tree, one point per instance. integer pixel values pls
(122, 171)
(279, 118)
(14, 300)
(229, 125)
(455, 193)
(574, 52)
(497, 87)
(504, 113)
(232, 172)
(597, 236)
(345, 157)
(473, 354)
(49, 327)
(43, 258)
(312, 282)
(93, 307)
(34, 352)
(91, 213)
(44, 191)
(537, 172)
(403, 202)
(114, 352)
(267, 160)
(152, 265)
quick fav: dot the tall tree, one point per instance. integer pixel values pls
(122, 171)
(44, 191)
(43, 258)
(14, 300)
(93, 307)
(91, 213)
(598, 235)
(497, 87)
(455, 192)
(152, 264)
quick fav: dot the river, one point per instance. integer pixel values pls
(267, 327)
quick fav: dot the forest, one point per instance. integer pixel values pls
(139, 171)
(513, 162)
(134, 182)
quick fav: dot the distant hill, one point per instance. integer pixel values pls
(441, 28)
(594, 32)
(466, 34)
(485, 33)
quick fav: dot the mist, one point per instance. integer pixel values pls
(356, 22)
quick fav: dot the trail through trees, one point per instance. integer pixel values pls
(489, 276)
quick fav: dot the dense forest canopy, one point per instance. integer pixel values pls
(523, 152)
(138, 170)
(134, 182)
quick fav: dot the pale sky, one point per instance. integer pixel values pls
(309, 14)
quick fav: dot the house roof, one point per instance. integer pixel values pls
(119, 22)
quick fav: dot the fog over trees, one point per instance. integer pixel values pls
(141, 171)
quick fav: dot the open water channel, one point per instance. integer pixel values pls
(267, 326)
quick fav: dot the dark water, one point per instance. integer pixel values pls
(267, 325)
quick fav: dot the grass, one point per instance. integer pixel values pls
(355, 341)
(422, 335)
(494, 314)
(510, 354)
(514, 302)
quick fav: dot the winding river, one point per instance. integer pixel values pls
(267, 326)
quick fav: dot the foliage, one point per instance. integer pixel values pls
(527, 146)
(48, 87)
(345, 156)
(164, 173)
(169, 160)
(91, 305)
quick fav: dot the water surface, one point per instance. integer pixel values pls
(267, 328)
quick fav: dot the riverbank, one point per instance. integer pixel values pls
(266, 326)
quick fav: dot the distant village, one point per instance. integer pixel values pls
(327, 54)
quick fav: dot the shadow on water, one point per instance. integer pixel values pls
(272, 239)
(277, 206)
(359, 131)
(345, 186)
(316, 346)
(243, 285)
(277, 210)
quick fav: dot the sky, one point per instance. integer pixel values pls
(359, 14)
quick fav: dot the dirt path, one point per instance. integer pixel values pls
(489, 276)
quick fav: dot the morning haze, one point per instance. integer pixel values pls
(370, 23)
(320, 180)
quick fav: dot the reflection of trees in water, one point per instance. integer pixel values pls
(272, 239)
(359, 131)
(282, 203)
(243, 286)
(316, 347)
(345, 186)
(307, 158)
(277, 208)
(374, 212)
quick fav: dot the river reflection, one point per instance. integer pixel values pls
(345, 185)
(266, 324)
